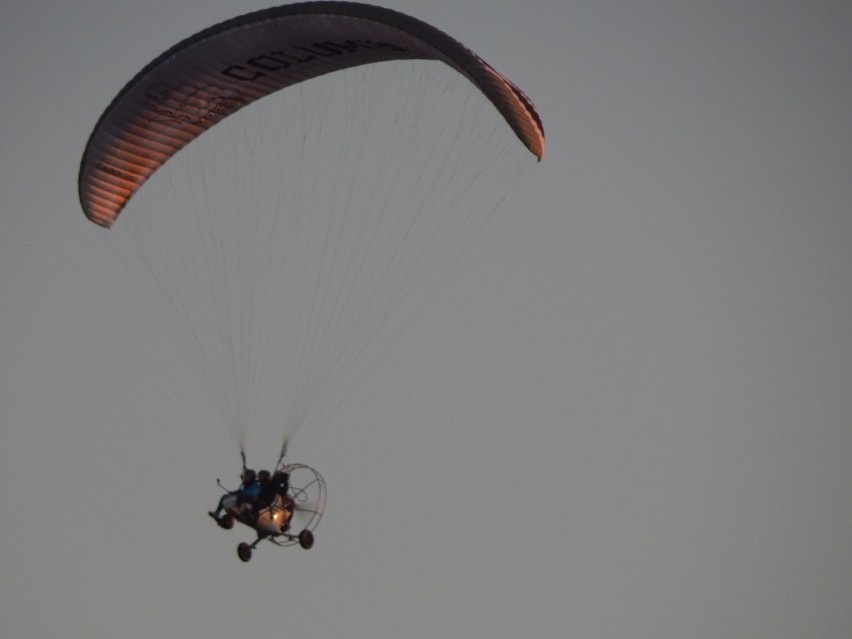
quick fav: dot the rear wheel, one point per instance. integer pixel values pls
(244, 551)
(227, 522)
(306, 539)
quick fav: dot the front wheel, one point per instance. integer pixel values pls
(244, 551)
(306, 539)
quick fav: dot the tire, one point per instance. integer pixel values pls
(306, 539)
(244, 551)
(227, 522)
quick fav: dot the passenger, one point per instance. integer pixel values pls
(247, 493)
(240, 499)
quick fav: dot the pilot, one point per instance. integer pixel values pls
(278, 484)
(254, 501)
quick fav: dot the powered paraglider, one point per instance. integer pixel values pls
(349, 154)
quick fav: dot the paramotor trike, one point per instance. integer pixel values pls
(289, 519)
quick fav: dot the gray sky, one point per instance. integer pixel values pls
(629, 414)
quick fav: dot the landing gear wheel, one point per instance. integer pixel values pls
(227, 522)
(306, 539)
(244, 551)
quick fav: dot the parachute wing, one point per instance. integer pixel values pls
(216, 72)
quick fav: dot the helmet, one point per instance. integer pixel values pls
(263, 476)
(248, 475)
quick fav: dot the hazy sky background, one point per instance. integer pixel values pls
(628, 414)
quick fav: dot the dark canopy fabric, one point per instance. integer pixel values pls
(207, 77)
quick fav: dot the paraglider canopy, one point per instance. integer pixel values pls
(220, 70)
(350, 154)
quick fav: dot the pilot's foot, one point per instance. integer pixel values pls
(214, 516)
